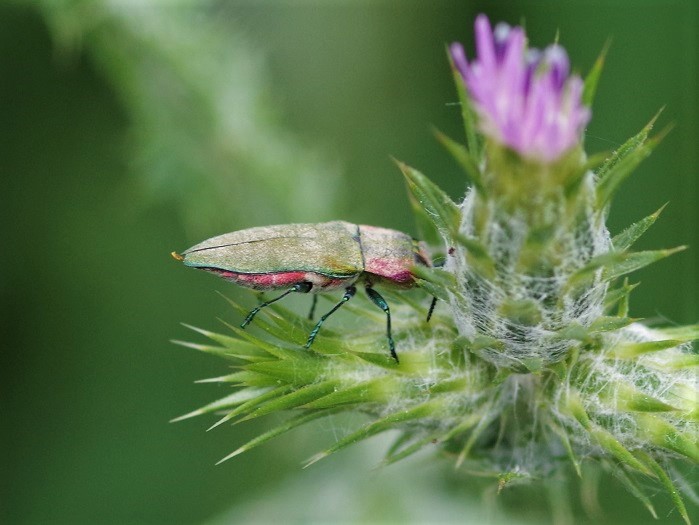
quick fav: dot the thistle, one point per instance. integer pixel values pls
(531, 364)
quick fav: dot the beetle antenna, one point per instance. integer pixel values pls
(429, 312)
(381, 303)
(349, 293)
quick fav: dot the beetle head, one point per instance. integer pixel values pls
(420, 253)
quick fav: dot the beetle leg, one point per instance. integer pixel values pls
(349, 293)
(429, 312)
(303, 287)
(313, 308)
(381, 303)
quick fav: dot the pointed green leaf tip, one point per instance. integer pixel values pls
(463, 158)
(468, 115)
(437, 204)
(667, 483)
(592, 78)
(617, 264)
(632, 485)
(630, 235)
(289, 424)
(625, 160)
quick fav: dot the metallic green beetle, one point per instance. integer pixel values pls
(312, 258)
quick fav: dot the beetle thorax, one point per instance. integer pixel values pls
(388, 255)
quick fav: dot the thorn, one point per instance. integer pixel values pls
(231, 455)
(315, 459)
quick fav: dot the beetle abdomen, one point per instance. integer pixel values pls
(276, 280)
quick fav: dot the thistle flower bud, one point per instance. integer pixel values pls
(532, 363)
(525, 99)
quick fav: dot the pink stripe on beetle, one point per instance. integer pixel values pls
(263, 281)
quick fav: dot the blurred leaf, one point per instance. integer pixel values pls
(205, 133)
(592, 78)
(468, 115)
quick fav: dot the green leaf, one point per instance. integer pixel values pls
(681, 333)
(382, 359)
(426, 409)
(577, 410)
(272, 349)
(281, 327)
(401, 453)
(610, 324)
(616, 264)
(623, 161)
(619, 295)
(468, 115)
(248, 406)
(437, 205)
(563, 436)
(630, 235)
(441, 279)
(236, 398)
(629, 350)
(572, 330)
(435, 290)
(305, 394)
(291, 372)
(588, 271)
(632, 486)
(426, 228)
(628, 398)
(374, 391)
(228, 378)
(628, 147)
(401, 440)
(609, 443)
(592, 163)
(287, 425)
(592, 78)
(242, 350)
(464, 158)
(667, 436)
(636, 260)
(678, 362)
(224, 340)
(397, 452)
(666, 481)
(487, 417)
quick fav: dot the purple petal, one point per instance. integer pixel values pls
(484, 42)
(500, 36)
(556, 59)
(525, 99)
(458, 57)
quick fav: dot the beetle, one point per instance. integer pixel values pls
(313, 258)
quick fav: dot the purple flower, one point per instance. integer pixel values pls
(524, 98)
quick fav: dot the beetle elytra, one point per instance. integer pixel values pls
(312, 258)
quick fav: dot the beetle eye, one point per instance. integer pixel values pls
(420, 258)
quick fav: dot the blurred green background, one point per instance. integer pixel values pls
(131, 129)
